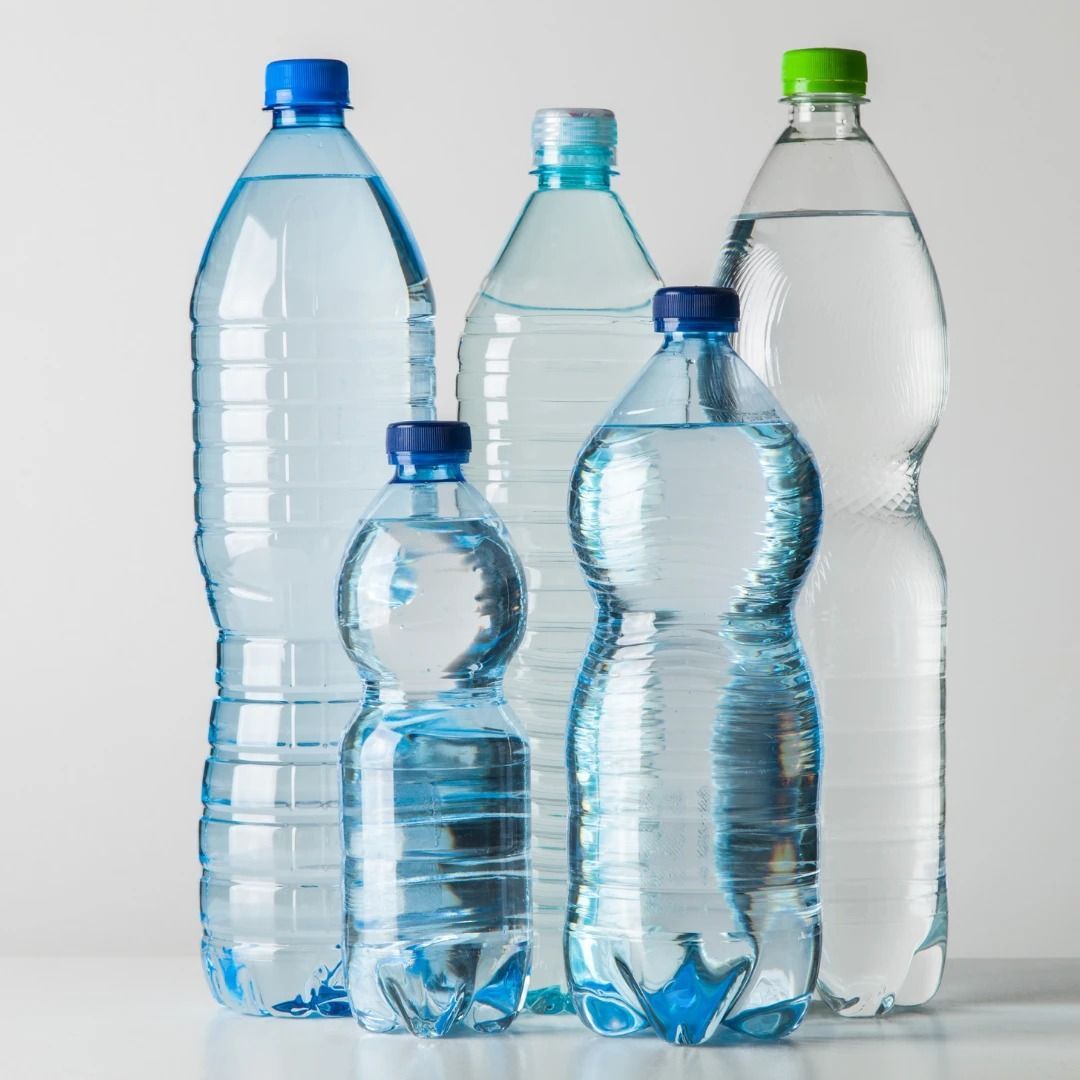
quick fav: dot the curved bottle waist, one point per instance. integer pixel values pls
(635, 653)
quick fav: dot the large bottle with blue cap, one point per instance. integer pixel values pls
(694, 748)
(311, 332)
(843, 318)
(434, 767)
(558, 329)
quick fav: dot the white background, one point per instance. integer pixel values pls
(123, 127)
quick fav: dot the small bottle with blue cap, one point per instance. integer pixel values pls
(693, 750)
(312, 330)
(434, 767)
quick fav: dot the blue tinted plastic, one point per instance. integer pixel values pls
(559, 327)
(693, 745)
(434, 766)
(311, 332)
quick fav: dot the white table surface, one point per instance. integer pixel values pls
(153, 1019)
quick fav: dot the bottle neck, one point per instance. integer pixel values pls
(427, 472)
(441, 694)
(573, 166)
(309, 116)
(698, 340)
(550, 177)
(825, 116)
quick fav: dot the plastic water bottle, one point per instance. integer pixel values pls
(312, 331)
(842, 317)
(559, 328)
(693, 746)
(435, 783)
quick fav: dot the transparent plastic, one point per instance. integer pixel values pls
(559, 328)
(693, 746)
(311, 332)
(434, 765)
(843, 319)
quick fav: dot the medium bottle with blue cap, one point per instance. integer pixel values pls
(311, 331)
(434, 767)
(559, 328)
(843, 318)
(694, 749)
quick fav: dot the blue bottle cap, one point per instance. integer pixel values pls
(695, 307)
(290, 83)
(436, 440)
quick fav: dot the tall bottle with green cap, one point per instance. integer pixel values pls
(559, 327)
(843, 319)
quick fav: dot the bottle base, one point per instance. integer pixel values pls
(690, 1007)
(549, 1001)
(863, 998)
(434, 989)
(280, 981)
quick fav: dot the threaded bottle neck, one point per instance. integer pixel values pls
(309, 116)
(426, 472)
(573, 176)
(826, 116)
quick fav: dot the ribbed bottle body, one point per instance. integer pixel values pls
(559, 329)
(529, 417)
(312, 332)
(694, 746)
(434, 766)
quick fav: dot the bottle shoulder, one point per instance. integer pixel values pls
(442, 504)
(697, 383)
(310, 231)
(571, 249)
(309, 151)
(842, 313)
(824, 175)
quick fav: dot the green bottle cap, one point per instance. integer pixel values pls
(823, 71)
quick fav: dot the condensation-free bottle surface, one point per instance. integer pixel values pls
(311, 331)
(693, 745)
(435, 769)
(559, 328)
(843, 319)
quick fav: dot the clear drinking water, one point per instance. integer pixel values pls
(693, 746)
(559, 327)
(842, 317)
(434, 766)
(312, 330)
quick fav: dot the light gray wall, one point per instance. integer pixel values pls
(124, 125)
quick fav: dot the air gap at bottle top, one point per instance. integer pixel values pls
(560, 326)
(311, 332)
(842, 317)
(693, 746)
(434, 766)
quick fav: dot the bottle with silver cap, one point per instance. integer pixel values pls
(558, 329)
